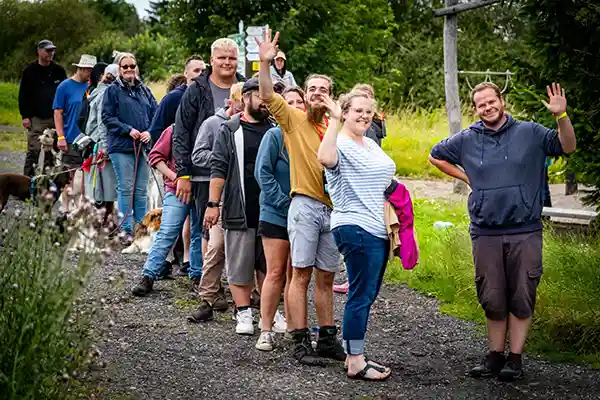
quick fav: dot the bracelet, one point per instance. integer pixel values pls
(61, 138)
(561, 116)
(181, 177)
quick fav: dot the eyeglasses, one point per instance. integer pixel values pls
(130, 66)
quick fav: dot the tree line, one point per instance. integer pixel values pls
(396, 45)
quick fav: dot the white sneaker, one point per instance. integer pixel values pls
(279, 323)
(245, 322)
(265, 341)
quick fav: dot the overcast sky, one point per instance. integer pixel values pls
(140, 6)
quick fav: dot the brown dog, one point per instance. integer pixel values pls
(19, 186)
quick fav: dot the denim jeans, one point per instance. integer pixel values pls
(123, 165)
(366, 258)
(173, 216)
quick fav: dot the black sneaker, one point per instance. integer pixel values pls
(144, 287)
(303, 350)
(220, 304)
(203, 313)
(513, 369)
(183, 270)
(492, 364)
(328, 345)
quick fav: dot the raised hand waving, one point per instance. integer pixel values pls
(268, 48)
(557, 101)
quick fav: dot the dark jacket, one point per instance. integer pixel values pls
(165, 114)
(225, 164)
(376, 131)
(126, 107)
(196, 106)
(37, 89)
(506, 172)
(272, 172)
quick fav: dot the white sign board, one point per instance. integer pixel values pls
(252, 57)
(254, 32)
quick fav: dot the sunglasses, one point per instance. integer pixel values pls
(126, 67)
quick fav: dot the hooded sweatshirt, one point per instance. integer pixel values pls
(94, 127)
(204, 143)
(506, 172)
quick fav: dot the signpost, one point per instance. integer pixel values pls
(253, 33)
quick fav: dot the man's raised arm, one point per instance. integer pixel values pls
(267, 52)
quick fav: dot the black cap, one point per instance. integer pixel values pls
(46, 44)
(250, 85)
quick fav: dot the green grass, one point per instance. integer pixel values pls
(567, 318)
(13, 141)
(9, 104)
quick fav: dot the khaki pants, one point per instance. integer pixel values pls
(34, 146)
(214, 263)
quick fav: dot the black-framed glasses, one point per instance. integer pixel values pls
(130, 66)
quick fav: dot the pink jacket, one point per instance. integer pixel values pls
(399, 197)
(161, 151)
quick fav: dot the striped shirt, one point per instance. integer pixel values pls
(357, 184)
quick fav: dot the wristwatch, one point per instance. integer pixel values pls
(212, 204)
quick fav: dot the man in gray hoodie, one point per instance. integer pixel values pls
(503, 159)
(214, 256)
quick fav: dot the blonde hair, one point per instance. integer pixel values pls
(346, 100)
(364, 87)
(235, 93)
(225, 44)
(121, 55)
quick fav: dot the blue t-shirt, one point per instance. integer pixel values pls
(68, 97)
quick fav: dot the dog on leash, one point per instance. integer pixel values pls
(145, 233)
(22, 188)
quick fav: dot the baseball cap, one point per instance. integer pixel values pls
(250, 85)
(46, 44)
(112, 69)
(280, 54)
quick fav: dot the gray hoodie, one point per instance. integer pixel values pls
(94, 127)
(204, 143)
(506, 172)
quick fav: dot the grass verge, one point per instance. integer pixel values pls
(9, 104)
(13, 141)
(566, 323)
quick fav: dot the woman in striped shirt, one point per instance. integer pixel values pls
(358, 171)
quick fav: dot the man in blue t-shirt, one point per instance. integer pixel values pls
(67, 105)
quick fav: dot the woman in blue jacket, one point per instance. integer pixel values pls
(127, 111)
(272, 172)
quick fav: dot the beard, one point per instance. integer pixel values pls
(493, 118)
(259, 114)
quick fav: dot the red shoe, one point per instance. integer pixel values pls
(343, 288)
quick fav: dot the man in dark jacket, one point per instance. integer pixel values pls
(232, 168)
(36, 94)
(503, 159)
(203, 97)
(165, 114)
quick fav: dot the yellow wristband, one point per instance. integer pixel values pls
(184, 177)
(561, 116)
(61, 138)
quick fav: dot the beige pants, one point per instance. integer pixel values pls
(213, 265)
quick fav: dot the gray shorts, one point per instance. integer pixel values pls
(243, 255)
(311, 241)
(508, 269)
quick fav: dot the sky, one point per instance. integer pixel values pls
(140, 6)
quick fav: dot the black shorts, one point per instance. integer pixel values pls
(272, 231)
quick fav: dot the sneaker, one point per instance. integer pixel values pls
(195, 285)
(143, 287)
(166, 271)
(491, 365)
(279, 323)
(513, 369)
(343, 288)
(182, 271)
(266, 341)
(245, 322)
(328, 345)
(203, 313)
(220, 304)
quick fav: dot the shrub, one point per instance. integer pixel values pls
(44, 324)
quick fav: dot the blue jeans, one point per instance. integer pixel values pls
(123, 165)
(173, 216)
(366, 258)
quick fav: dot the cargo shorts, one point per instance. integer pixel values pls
(508, 269)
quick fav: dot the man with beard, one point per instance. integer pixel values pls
(311, 242)
(503, 159)
(232, 170)
(203, 97)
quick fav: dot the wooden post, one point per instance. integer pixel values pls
(451, 80)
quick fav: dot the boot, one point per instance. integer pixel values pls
(144, 287)
(328, 345)
(303, 350)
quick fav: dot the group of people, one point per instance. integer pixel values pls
(273, 184)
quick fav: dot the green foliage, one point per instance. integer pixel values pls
(567, 315)
(565, 38)
(9, 104)
(44, 323)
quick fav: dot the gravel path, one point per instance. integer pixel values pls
(152, 352)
